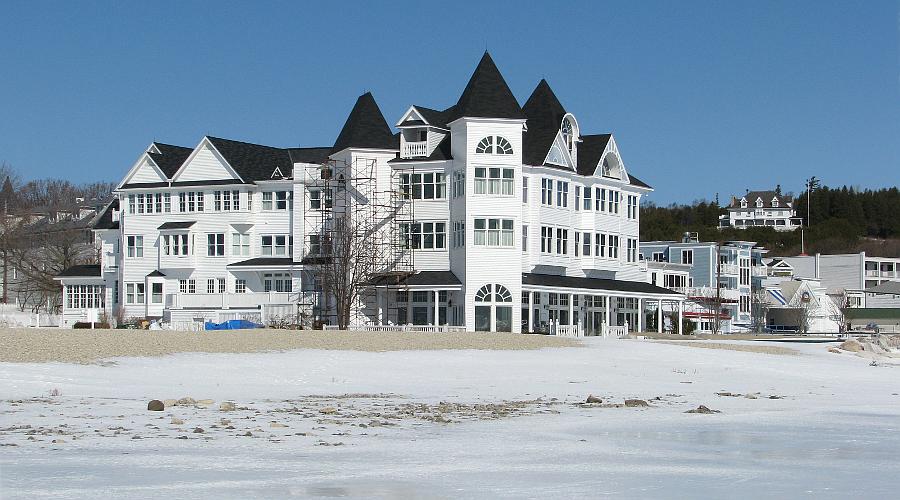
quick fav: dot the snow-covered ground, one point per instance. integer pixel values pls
(815, 425)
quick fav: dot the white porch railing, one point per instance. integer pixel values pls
(617, 332)
(708, 292)
(760, 271)
(566, 330)
(413, 149)
(228, 300)
(403, 328)
(728, 268)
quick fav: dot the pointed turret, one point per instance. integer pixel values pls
(545, 114)
(365, 128)
(487, 95)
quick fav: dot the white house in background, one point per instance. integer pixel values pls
(761, 209)
(509, 218)
(792, 302)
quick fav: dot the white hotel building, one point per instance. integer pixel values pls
(509, 218)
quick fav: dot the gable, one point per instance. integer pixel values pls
(205, 164)
(146, 171)
(559, 154)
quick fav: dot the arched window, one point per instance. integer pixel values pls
(503, 146)
(494, 145)
(483, 294)
(568, 133)
(486, 146)
(501, 294)
(494, 309)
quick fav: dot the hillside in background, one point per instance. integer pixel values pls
(844, 220)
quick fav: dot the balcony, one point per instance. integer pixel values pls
(708, 292)
(415, 149)
(728, 268)
(228, 300)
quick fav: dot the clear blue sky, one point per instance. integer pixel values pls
(703, 97)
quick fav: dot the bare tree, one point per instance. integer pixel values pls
(759, 310)
(42, 253)
(351, 259)
(802, 314)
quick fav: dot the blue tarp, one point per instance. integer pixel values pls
(232, 324)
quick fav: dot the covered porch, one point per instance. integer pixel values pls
(576, 306)
(404, 301)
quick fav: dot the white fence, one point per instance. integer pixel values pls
(618, 332)
(566, 330)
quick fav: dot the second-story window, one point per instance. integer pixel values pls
(424, 235)
(562, 194)
(562, 241)
(614, 201)
(586, 244)
(275, 200)
(524, 189)
(240, 244)
(632, 249)
(494, 232)
(190, 201)
(459, 184)
(546, 192)
(632, 206)
(428, 186)
(135, 246)
(588, 203)
(175, 244)
(577, 197)
(546, 239)
(687, 256)
(494, 180)
(215, 244)
(320, 198)
(276, 245)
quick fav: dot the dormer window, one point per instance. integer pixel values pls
(568, 133)
(494, 144)
(759, 203)
(743, 203)
(774, 202)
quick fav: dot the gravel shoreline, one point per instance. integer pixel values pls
(46, 345)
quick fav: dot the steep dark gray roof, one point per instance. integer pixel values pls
(309, 155)
(590, 149)
(84, 270)
(365, 128)
(105, 220)
(486, 95)
(170, 158)
(545, 114)
(213, 182)
(593, 284)
(766, 196)
(254, 162)
(156, 274)
(434, 117)
(634, 181)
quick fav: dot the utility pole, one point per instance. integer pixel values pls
(811, 184)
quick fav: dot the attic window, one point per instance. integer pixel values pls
(774, 202)
(743, 203)
(494, 145)
(568, 133)
(277, 172)
(759, 203)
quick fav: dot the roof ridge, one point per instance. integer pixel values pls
(243, 142)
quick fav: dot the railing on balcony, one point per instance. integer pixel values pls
(872, 273)
(228, 300)
(414, 149)
(708, 292)
(762, 271)
(728, 268)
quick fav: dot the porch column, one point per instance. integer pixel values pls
(379, 310)
(607, 300)
(680, 317)
(571, 309)
(530, 312)
(437, 307)
(640, 318)
(659, 316)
